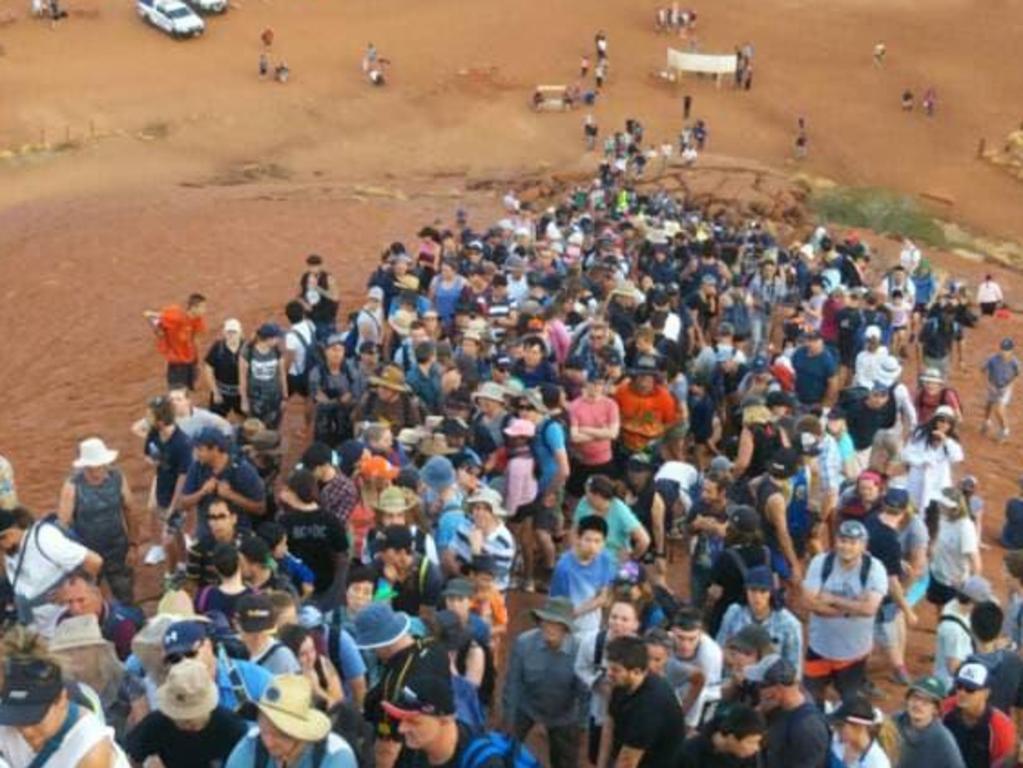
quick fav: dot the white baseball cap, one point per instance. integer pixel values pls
(232, 325)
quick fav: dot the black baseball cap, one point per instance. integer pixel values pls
(395, 537)
(7, 520)
(428, 693)
(783, 463)
(31, 686)
(255, 613)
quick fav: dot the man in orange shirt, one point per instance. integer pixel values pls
(647, 407)
(176, 330)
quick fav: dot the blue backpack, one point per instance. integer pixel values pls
(513, 753)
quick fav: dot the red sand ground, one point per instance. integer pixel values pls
(89, 238)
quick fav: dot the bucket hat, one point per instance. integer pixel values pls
(379, 625)
(392, 499)
(288, 703)
(490, 498)
(557, 610)
(77, 632)
(188, 693)
(93, 452)
(391, 377)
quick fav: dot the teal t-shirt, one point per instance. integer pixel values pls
(621, 522)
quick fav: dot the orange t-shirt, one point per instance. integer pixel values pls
(493, 601)
(360, 523)
(644, 418)
(178, 332)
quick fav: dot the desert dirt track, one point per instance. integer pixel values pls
(235, 179)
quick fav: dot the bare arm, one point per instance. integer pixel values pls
(100, 756)
(92, 564)
(243, 381)
(745, 453)
(66, 505)
(657, 523)
(629, 757)
(865, 605)
(832, 393)
(777, 515)
(606, 741)
(696, 682)
(640, 542)
(474, 666)
(229, 494)
(211, 381)
(127, 506)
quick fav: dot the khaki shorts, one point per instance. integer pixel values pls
(999, 395)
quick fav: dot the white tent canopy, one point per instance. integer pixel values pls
(703, 63)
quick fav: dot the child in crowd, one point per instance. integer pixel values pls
(487, 602)
(520, 487)
(585, 572)
(298, 572)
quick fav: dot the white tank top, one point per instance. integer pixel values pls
(85, 735)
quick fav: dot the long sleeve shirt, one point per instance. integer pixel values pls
(542, 683)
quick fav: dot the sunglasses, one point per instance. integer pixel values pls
(221, 516)
(175, 658)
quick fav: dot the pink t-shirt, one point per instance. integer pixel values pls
(602, 412)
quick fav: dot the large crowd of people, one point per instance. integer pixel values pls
(728, 466)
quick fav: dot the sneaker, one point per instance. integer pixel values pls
(985, 427)
(529, 586)
(155, 555)
(901, 676)
(1003, 435)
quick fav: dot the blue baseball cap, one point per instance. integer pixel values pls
(759, 577)
(896, 498)
(183, 637)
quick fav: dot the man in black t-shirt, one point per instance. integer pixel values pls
(644, 718)
(188, 729)
(732, 740)
(315, 537)
(895, 611)
(425, 711)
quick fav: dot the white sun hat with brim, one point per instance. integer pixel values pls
(188, 693)
(93, 452)
(77, 632)
(490, 498)
(288, 703)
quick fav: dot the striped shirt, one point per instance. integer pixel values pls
(500, 545)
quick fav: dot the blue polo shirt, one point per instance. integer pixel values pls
(243, 478)
(812, 374)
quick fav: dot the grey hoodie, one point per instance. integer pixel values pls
(933, 746)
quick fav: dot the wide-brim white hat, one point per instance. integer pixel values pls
(93, 452)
